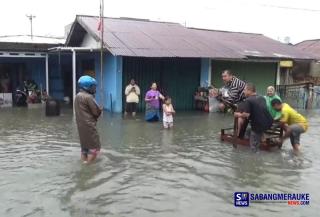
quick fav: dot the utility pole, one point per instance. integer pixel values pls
(31, 17)
(101, 49)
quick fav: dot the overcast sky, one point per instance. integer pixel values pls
(297, 19)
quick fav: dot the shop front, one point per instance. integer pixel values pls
(262, 74)
(176, 77)
(22, 80)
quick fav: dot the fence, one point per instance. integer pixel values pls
(316, 97)
(300, 96)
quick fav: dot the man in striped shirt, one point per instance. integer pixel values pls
(233, 91)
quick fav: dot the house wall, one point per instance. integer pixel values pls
(55, 78)
(95, 71)
(36, 70)
(305, 71)
(112, 78)
(60, 72)
(262, 74)
(20, 69)
(60, 67)
(89, 41)
(315, 69)
(112, 75)
(112, 82)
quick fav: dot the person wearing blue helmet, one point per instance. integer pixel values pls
(87, 113)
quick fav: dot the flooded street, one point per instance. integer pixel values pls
(144, 170)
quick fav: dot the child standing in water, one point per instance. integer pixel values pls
(168, 112)
(87, 113)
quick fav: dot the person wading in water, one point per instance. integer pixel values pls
(152, 100)
(87, 113)
(132, 92)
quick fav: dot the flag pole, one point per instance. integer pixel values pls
(101, 26)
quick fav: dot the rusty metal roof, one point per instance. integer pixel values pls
(310, 46)
(143, 38)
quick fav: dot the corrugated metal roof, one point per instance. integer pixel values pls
(34, 40)
(25, 43)
(310, 46)
(128, 37)
(253, 45)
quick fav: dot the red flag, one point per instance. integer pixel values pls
(100, 25)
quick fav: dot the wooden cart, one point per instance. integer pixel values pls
(275, 132)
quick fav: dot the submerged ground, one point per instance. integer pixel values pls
(146, 171)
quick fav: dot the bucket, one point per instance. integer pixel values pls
(52, 107)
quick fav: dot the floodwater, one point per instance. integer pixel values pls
(146, 171)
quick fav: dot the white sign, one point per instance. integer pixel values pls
(5, 100)
(213, 104)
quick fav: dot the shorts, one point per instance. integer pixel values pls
(87, 151)
(296, 130)
(131, 107)
(241, 107)
(255, 140)
(167, 124)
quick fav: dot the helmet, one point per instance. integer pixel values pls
(86, 82)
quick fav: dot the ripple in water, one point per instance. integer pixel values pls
(144, 170)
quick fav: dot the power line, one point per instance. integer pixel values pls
(291, 8)
(217, 7)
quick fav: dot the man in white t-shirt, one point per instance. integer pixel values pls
(132, 92)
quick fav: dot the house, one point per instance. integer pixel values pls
(310, 46)
(23, 57)
(309, 70)
(178, 58)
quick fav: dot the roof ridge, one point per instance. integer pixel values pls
(154, 21)
(226, 31)
(130, 19)
(174, 42)
(310, 40)
(39, 36)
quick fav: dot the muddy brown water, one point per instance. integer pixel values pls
(144, 170)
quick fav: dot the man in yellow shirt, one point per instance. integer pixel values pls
(294, 123)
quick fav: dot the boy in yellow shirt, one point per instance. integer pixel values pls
(294, 123)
